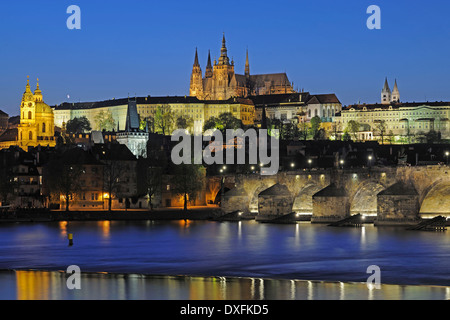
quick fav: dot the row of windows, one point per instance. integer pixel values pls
(381, 114)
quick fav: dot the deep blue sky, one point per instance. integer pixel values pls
(147, 47)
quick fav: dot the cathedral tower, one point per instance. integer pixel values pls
(209, 70)
(196, 87)
(386, 93)
(395, 93)
(222, 74)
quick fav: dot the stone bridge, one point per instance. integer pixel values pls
(389, 194)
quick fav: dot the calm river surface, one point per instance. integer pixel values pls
(210, 250)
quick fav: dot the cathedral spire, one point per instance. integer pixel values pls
(196, 64)
(386, 93)
(208, 71)
(386, 86)
(223, 59)
(395, 93)
(247, 65)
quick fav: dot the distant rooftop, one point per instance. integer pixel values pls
(144, 100)
(397, 105)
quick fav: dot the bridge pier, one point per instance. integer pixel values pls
(274, 202)
(398, 205)
(330, 204)
(235, 199)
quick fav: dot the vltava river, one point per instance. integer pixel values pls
(209, 250)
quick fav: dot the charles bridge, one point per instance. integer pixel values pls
(389, 195)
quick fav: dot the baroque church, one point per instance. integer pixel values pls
(36, 125)
(220, 82)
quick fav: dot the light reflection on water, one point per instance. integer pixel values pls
(51, 285)
(242, 249)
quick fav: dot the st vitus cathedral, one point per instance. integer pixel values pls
(220, 82)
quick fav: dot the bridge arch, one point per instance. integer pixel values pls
(303, 200)
(363, 199)
(435, 199)
(253, 196)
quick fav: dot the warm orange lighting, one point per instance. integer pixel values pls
(105, 195)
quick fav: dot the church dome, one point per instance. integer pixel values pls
(42, 107)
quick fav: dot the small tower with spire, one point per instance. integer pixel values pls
(38, 93)
(395, 93)
(247, 66)
(386, 93)
(209, 69)
(196, 86)
(223, 59)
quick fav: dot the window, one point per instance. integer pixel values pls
(30, 135)
(30, 114)
(43, 127)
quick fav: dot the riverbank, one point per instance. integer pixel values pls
(167, 214)
(197, 213)
(132, 286)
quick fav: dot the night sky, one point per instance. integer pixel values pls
(147, 47)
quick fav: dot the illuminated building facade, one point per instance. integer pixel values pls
(198, 110)
(401, 120)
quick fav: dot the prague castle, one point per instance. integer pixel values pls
(36, 125)
(220, 82)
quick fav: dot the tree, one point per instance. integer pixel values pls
(346, 136)
(184, 122)
(381, 128)
(63, 179)
(153, 183)
(353, 129)
(187, 181)
(335, 128)
(113, 172)
(315, 126)
(432, 136)
(78, 125)
(224, 121)
(304, 129)
(164, 119)
(390, 136)
(105, 121)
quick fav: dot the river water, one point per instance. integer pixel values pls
(302, 260)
